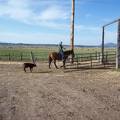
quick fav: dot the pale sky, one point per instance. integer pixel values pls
(48, 21)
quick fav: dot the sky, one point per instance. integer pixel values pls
(48, 21)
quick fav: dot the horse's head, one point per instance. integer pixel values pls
(72, 54)
(69, 52)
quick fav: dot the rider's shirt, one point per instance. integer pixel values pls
(60, 48)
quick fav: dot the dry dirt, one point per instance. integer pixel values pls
(85, 94)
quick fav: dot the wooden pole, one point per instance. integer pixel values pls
(103, 37)
(9, 57)
(118, 47)
(21, 56)
(33, 58)
(72, 25)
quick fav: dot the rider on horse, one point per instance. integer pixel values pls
(61, 50)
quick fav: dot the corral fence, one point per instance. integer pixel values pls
(94, 59)
(81, 59)
(23, 56)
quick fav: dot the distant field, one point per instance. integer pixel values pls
(18, 53)
(41, 53)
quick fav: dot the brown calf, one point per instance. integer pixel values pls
(29, 65)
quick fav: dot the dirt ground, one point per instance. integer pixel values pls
(84, 94)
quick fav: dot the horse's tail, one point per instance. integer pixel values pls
(49, 58)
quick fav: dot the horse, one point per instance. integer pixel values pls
(56, 56)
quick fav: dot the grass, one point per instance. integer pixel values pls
(18, 53)
(41, 53)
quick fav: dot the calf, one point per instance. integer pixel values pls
(29, 65)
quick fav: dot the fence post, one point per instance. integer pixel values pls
(96, 55)
(99, 56)
(106, 57)
(9, 57)
(104, 61)
(91, 60)
(77, 61)
(118, 47)
(21, 56)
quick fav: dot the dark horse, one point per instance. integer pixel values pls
(56, 56)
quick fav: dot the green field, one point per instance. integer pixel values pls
(41, 53)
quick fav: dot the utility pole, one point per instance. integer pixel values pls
(72, 28)
(72, 25)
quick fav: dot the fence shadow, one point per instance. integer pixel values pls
(86, 69)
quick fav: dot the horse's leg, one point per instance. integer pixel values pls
(64, 63)
(50, 60)
(55, 64)
(24, 69)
